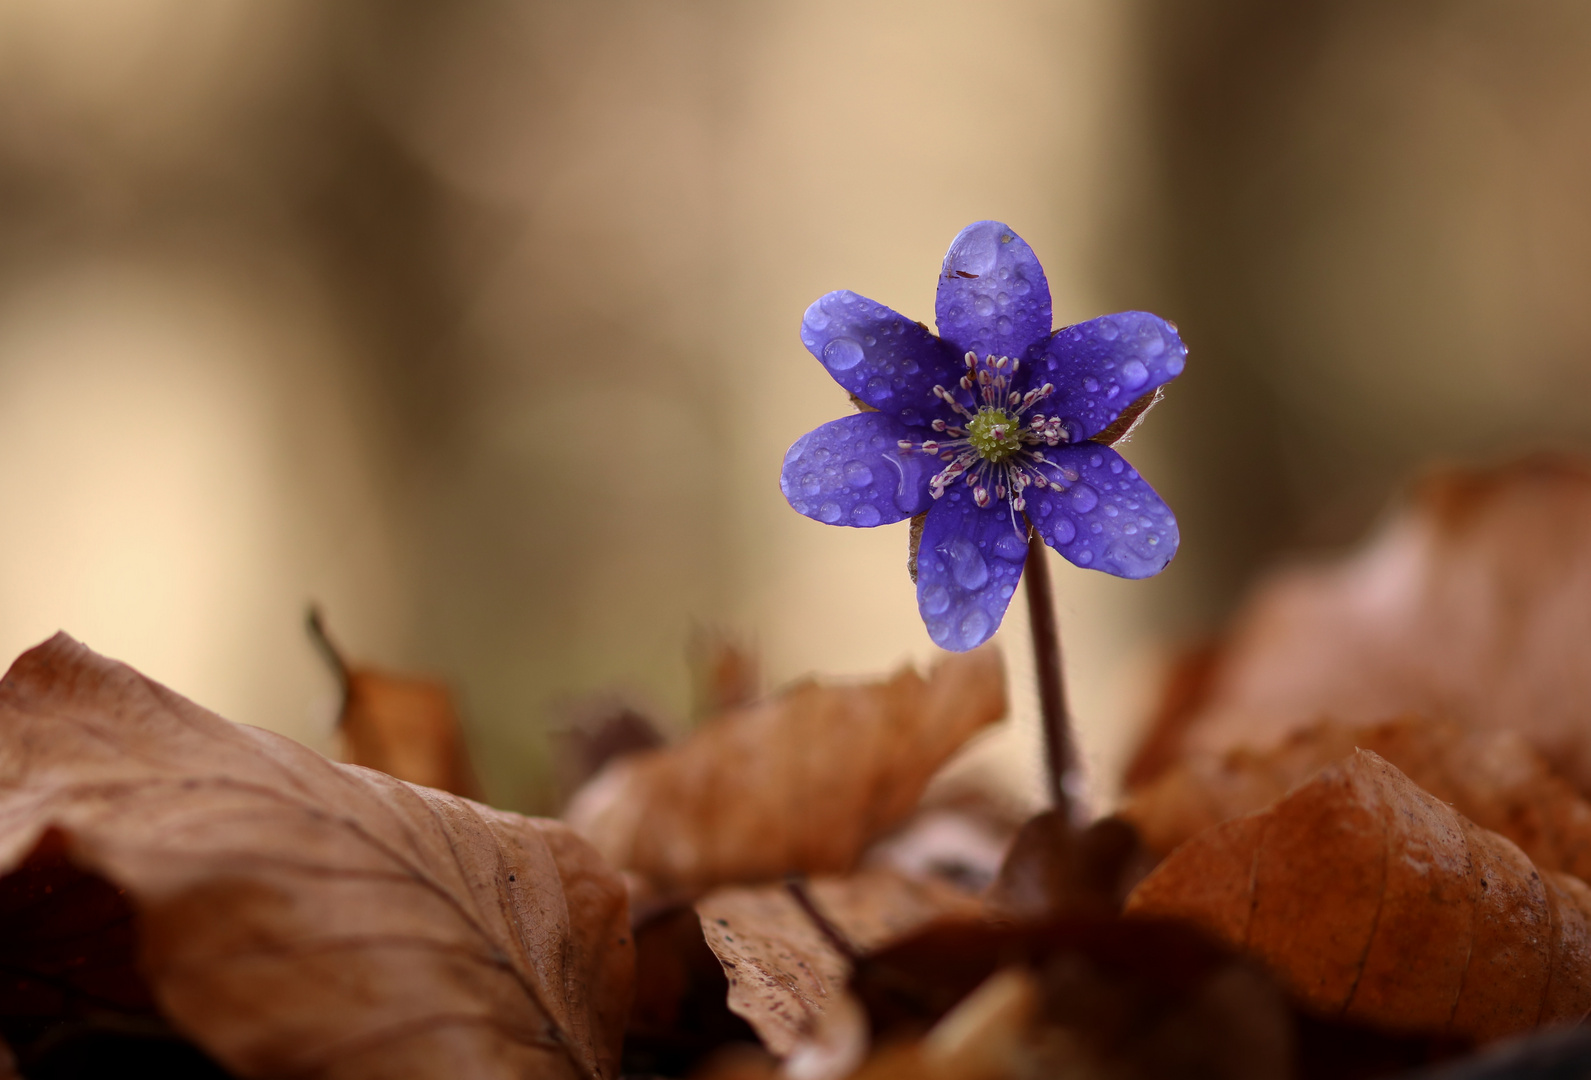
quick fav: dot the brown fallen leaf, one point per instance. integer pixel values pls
(290, 915)
(783, 972)
(799, 782)
(1052, 869)
(405, 726)
(1494, 778)
(726, 672)
(1374, 901)
(1473, 603)
(1074, 997)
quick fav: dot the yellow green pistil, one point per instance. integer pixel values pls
(994, 450)
(995, 434)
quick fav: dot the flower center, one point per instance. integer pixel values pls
(996, 449)
(994, 434)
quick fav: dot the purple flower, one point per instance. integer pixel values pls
(987, 427)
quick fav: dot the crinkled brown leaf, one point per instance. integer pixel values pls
(1474, 603)
(1494, 778)
(799, 782)
(783, 972)
(299, 917)
(1372, 900)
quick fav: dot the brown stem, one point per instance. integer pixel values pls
(327, 649)
(796, 886)
(1060, 755)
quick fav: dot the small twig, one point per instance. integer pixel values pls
(1060, 754)
(797, 887)
(328, 651)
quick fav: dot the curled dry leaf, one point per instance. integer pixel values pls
(1374, 901)
(1494, 778)
(784, 973)
(405, 726)
(1474, 603)
(408, 728)
(800, 782)
(289, 915)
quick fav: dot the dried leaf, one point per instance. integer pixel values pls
(1372, 900)
(1473, 604)
(300, 917)
(1114, 998)
(800, 782)
(1494, 778)
(783, 972)
(681, 1012)
(726, 673)
(405, 726)
(1052, 869)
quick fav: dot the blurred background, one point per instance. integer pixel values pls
(476, 323)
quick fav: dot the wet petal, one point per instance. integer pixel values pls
(993, 296)
(881, 356)
(967, 568)
(851, 471)
(1101, 514)
(1102, 366)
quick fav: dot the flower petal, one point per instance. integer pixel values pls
(851, 471)
(967, 568)
(890, 362)
(1101, 514)
(993, 296)
(1102, 366)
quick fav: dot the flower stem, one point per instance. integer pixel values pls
(1060, 754)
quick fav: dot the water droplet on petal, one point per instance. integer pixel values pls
(1084, 557)
(1155, 345)
(966, 565)
(1116, 467)
(1108, 330)
(1096, 460)
(1084, 498)
(1091, 384)
(842, 354)
(866, 515)
(935, 600)
(974, 628)
(857, 475)
(1134, 374)
(869, 340)
(1011, 546)
(829, 512)
(810, 484)
(815, 318)
(1064, 532)
(1174, 364)
(982, 305)
(879, 389)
